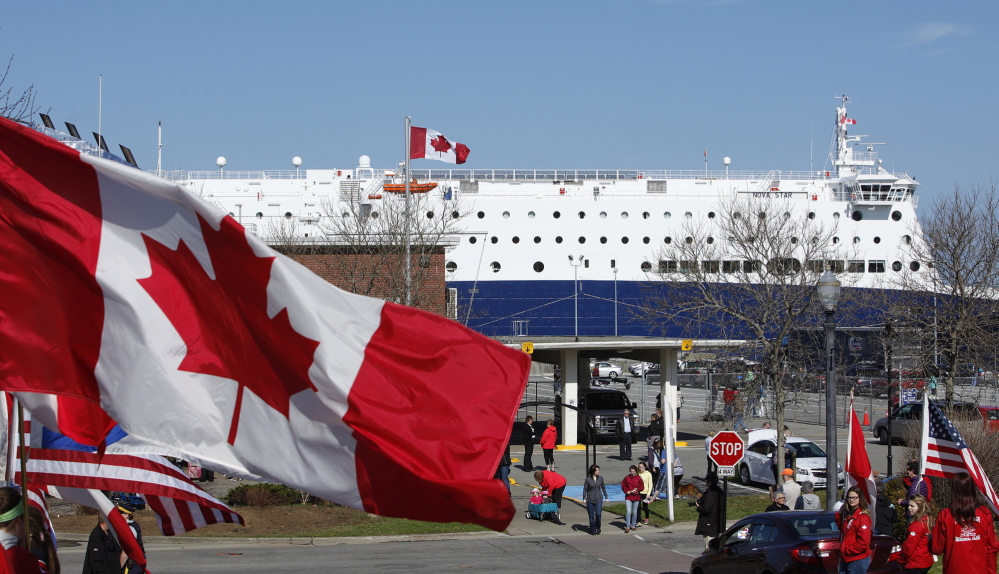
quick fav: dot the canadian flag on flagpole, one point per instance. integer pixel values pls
(429, 144)
(858, 465)
(846, 120)
(127, 297)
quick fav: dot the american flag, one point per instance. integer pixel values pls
(947, 454)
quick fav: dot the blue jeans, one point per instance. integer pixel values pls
(855, 567)
(631, 513)
(594, 510)
(739, 422)
(504, 475)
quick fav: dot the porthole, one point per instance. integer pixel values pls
(603, 215)
(787, 215)
(646, 240)
(624, 215)
(557, 214)
(537, 239)
(667, 215)
(506, 215)
(914, 266)
(688, 215)
(646, 266)
(451, 266)
(231, 214)
(287, 215)
(495, 266)
(430, 215)
(516, 240)
(761, 215)
(582, 239)
(857, 216)
(836, 216)
(530, 215)
(710, 240)
(481, 214)
(667, 240)
(374, 215)
(624, 240)
(907, 239)
(689, 240)
(811, 215)
(472, 239)
(896, 216)
(260, 215)
(455, 215)
(711, 215)
(794, 241)
(494, 240)
(558, 239)
(582, 214)
(345, 214)
(835, 240)
(856, 240)
(603, 240)
(736, 215)
(539, 267)
(646, 215)
(815, 240)
(896, 266)
(877, 240)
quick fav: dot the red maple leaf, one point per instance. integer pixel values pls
(441, 144)
(224, 321)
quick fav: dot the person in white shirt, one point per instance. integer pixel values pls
(790, 488)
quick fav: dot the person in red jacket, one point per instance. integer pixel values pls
(548, 439)
(554, 483)
(963, 531)
(854, 521)
(915, 557)
(632, 486)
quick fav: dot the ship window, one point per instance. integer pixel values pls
(667, 215)
(494, 240)
(472, 239)
(855, 266)
(907, 239)
(516, 240)
(751, 266)
(857, 216)
(667, 240)
(582, 239)
(374, 215)
(603, 215)
(914, 266)
(836, 216)
(451, 266)
(646, 266)
(787, 215)
(646, 215)
(667, 266)
(794, 241)
(287, 215)
(345, 214)
(430, 215)
(558, 239)
(762, 215)
(537, 239)
(689, 240)
(835, 240)
(495, 266)
(896, 215)
(646, 240)
(586, 263)
(530, 215)
(231, 214)
(710, 266)
(481, 214)
(688, 266)
(877, 240)
(582, 215)
(603, 240)
(711, 215)
(539, 266)
(624, 215)
(875, 266)
(814, 265)
(260, 215)
(784, 266)
(556, 215)
(865, 188)
(506, 215)
(896, 266)
(455, 215)
(710, 240)
(836, 265)
(688, 215)
(624, 240)
(856, 240)
(811, 215)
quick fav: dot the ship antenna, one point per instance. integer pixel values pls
(159, 148)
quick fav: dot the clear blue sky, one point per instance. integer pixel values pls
(631, 84)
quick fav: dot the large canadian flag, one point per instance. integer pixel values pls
(429, 144)
(125, 291)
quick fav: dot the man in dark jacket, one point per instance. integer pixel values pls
(709, 520)
(529, 440)
(779, 503)
(103, 553)
(625, 432)
(885, 512)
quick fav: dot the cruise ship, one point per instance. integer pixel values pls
(562, 252)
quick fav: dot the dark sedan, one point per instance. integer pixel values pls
(787, 542)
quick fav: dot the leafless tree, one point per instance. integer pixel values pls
(14, 106)
(750, 274)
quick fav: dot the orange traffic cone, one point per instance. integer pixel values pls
(867, 419)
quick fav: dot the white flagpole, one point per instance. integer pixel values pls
(924, 444)
(408, 246)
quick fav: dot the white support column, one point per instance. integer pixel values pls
(668, 388)
(570, 396)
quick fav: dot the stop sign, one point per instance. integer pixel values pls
(726, 448)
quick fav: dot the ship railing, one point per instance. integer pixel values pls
(574, 175)
(183, 174)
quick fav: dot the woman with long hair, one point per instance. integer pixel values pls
(632, 488)
(854, 521)
(647, 484)
(594, 494)
(14, 558)
(963, 531)
(915, 557)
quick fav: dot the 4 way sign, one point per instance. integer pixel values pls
(725, 450)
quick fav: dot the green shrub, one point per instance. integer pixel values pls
(262, 494)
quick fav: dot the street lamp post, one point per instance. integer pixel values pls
(889, 333)
(829, 289)
(615, 301)
(575, 291)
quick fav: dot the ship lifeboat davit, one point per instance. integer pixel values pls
(414, 187)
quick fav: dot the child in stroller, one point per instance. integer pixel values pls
(541, 506)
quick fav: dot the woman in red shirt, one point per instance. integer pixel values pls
(548, 439)
(854, 521)
(554, 483)
(963, 531)
(916, 557)
(632, 486)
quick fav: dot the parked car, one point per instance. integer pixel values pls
(757, 462)
(608, 407)
(906, 421)
(990, 416)
(604, 369)
(788, 542)
(639, 369)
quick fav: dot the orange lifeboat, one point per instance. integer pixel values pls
(414, 187)
(374, 196)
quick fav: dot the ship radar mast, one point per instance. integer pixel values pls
(844, 158)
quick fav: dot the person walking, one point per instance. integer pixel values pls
(554, 483)
(631, 486)
(963, 531)
(529, 438)
(548, 440)
(646, 476)
(739, 406)
(594, 495)
(625, 433)
(104, 555)
(728, 399)
(709, 523)
(854, 521)
(808, 499)
(915, 557)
